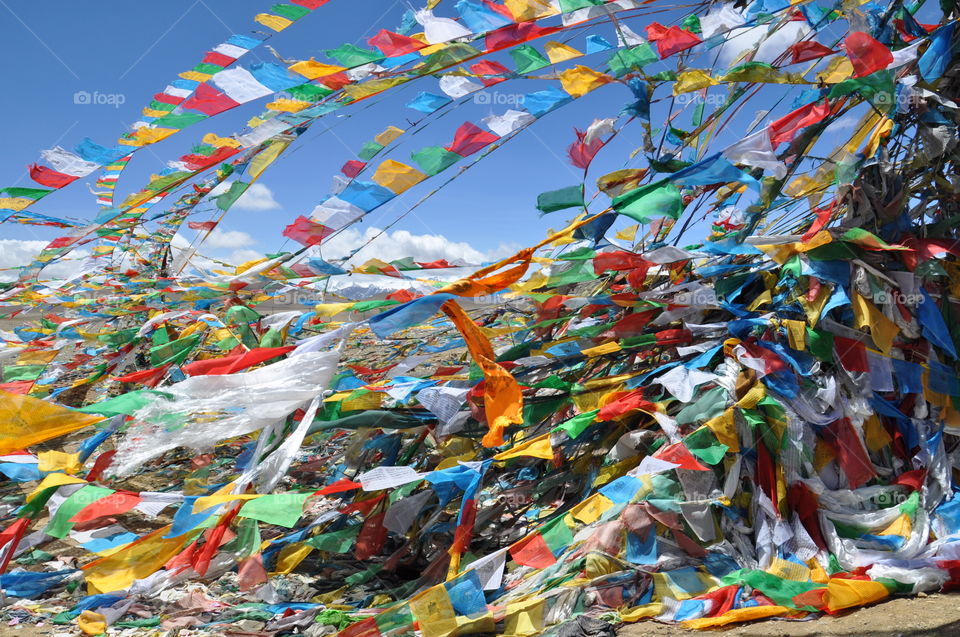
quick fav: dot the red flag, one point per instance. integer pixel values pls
(623, 403)
(215, 537)
(206, 226)
(533, 551)
(149, 377)
(9, 539)
(672, 40)
(808, 50)
(310, 4)
(866, 54)
(787, 126)
(100, 465)
(851, 455)
(209, 101)
(352, 168)
(49, 177)
(434, 265)
(17, 387)
(212, 57)
(115, 503)
(199, 162)
(364, 507)
(372, 537)
(805, 503)
(678, 454)
(339, 487)
(581, 153)
(307, 232)
(168, 99)
(470, 138)
(852, 354)
(913, 480)
(233, 364)
(489, 67)
(393, 44)
(402, 296)
(515, 34)
(336, 81)
(823, 216)
(619, 260)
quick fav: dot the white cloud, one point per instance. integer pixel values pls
(390, 246)
(771, 48)
(19, 252)
(14, 253)
(257, 198)
(228, 239)
(242, 256)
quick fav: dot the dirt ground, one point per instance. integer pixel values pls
(933, 616)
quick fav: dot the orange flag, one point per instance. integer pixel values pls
(502, 398)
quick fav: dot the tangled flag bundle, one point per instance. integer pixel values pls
(611, 425)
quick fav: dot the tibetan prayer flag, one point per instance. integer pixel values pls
(307, 232)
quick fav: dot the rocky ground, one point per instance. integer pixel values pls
(931, 616)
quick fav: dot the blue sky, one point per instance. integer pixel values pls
(132, 50)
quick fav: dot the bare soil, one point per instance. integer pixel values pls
(932, 616)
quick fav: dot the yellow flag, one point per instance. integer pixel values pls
(26, 421)
(54, 480)
(629, 233)
(195, 76)
(140, 559)
(538, 447)
(332, 309)
(724, 429)
(527, 10)
(881, 132)
(580, 80)
(372, 87)
(266, 157)
(692, 80)
(397, 177)
(215, 140)
(91, 623)
(59, 461)
(558, 52)
(387, 136)
(15, 203)
(311, 69)
(845, 593)
(286, 105)
(590, 510)
(882, 329)
(274, 22)
(796, 334)
(901, 526)
(839, 69)
(524, 617)
(600, 350)
(434, 612)
(209, 501)
(146, 136)
(291, 556)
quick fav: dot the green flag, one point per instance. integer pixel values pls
(659, 199)
(553, 200)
